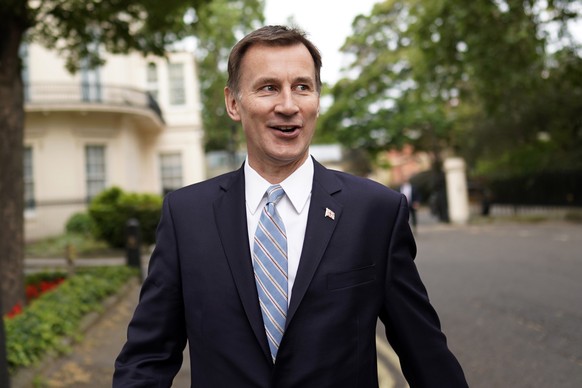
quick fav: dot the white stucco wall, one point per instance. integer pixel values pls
(58, 134)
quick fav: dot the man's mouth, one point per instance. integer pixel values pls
(285, 129)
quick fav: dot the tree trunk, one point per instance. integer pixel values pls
(11, 162)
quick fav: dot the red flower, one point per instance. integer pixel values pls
(31, 292)
(17, 309)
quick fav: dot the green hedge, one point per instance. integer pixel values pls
(111, 210)
(57, 314)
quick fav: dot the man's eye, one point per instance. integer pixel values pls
(303, 88)
(268, 88)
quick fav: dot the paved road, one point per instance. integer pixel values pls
(509, 297)
(510, 300)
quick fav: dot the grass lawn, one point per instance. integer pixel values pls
(84, 247)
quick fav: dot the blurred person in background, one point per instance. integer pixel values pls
(413, 200)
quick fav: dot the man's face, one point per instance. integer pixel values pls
(277, 104)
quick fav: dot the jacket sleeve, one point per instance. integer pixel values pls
(412, 325)
(156, 335)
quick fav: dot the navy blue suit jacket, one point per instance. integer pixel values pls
(354, 269)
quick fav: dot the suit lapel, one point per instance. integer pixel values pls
(231, 219)
(230, 213)
(318, 232)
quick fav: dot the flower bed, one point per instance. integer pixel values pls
(36, 285)
(56, 314)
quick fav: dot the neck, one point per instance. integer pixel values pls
(275, 174)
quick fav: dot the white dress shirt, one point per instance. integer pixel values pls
(292, 208)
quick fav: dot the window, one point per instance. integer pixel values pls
(171, 172)
(152, 80)
(29, 203)
(95, 170)
(177, 91)
(90, 77)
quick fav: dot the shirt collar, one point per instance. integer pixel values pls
(297, 186)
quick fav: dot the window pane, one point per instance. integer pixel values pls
(152, 80)
(95, 170)
(152, 74)
(171, 172)
(177, 91)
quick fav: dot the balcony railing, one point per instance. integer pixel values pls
(90, 93)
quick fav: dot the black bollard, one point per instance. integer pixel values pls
(133, 244)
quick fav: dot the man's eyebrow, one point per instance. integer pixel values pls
(266, 81)
(273, 80)
(304, 80)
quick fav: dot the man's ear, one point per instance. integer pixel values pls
(231, 104)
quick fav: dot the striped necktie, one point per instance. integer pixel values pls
(270, 264)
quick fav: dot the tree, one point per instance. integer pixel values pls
(476, 78)
(72, 28)
(222, 24)
(508, 58)
(384, 105)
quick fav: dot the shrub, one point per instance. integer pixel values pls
(44, 324)
(80, 223)
(111, 210)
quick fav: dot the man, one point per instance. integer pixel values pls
(285, 291)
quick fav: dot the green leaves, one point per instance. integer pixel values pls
(477, 78)
(79, 29)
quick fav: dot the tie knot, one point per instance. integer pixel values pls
(274, 194)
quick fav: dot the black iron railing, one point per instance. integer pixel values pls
(90, 93)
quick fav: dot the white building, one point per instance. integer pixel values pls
(134, 123)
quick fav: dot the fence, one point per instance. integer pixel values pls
(510, 210)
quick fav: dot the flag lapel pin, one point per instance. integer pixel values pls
(329, 213)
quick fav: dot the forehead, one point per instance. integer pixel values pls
(277, 61)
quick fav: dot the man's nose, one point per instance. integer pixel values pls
(286, 103)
